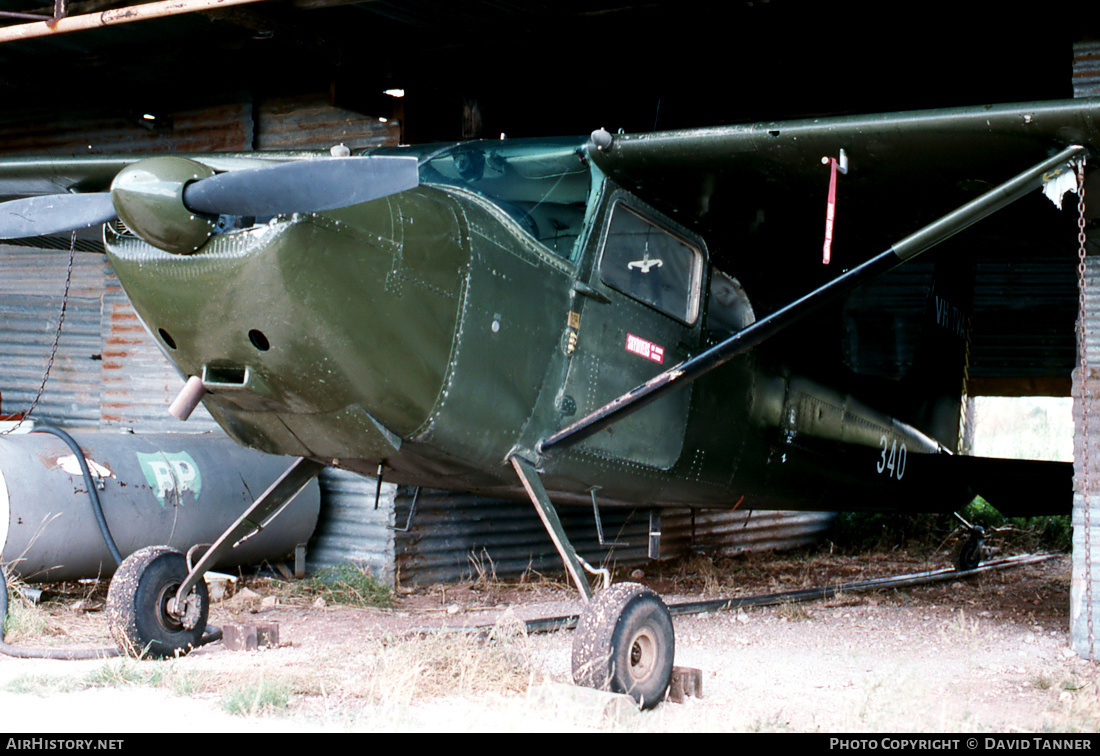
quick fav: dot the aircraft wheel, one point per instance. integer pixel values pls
(970, 553)
(138, 600)
(625, 643)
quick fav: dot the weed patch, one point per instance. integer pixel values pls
(349, 584)
(259, 698)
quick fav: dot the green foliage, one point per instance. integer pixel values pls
(127, 672)
(865, 531)
(350, 584)
(257, 699)
(1051, 533)
(40, 685)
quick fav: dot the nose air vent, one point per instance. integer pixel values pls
(259, 340)
(224, 375)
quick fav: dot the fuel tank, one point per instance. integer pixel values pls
(174, 489)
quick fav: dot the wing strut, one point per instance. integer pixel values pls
(747, 338)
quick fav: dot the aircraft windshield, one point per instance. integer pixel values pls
(543, 185)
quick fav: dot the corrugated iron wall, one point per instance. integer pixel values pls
(1086, 69)
(33, 289)
(350, 528)
(310, 123)
(220, 128)
(108, 371)
(456, 536)
(1085, 580)
(293, 123)
(137, 381)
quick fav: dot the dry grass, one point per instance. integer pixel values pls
(380, 673)
(483, 577)
(444, 664)
(26, 619)
(347, 584)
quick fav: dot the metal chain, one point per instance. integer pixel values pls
(56, 338)
(964, 415)
(1082, 340)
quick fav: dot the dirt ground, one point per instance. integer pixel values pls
(986, 654)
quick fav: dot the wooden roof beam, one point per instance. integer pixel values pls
(114, 17)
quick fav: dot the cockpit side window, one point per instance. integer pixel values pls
(648, 263)
(544, 186)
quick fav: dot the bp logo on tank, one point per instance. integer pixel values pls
(170, 475)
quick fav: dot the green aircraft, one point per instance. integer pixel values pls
(619, 320)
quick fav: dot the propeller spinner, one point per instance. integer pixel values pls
(173, 203)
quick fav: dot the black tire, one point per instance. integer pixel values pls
(970, 554)
(625, 643)
(137, 605)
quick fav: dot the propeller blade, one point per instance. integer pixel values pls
(54, 213)
(307, 186)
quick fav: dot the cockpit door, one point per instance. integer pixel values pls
(638, 315)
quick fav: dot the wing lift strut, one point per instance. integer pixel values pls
(902, 252)
(617, 637)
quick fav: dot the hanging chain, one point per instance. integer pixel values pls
(56, 337)
(962, 445)
(1082, 340)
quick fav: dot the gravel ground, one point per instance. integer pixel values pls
(986, 654)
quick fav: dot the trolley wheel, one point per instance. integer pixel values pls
(969, 555)
(138, 605)
(625, 643)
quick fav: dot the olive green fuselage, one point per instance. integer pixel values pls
(428, 335)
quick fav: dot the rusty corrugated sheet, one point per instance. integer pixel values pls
(311, 123)
(30, 305)
(108, 371)
(29, 272)
(1086, 69)
(1085, 592)
(455, 536)
(71, 395)
(219, 128)
(138, 382)
(292, 123)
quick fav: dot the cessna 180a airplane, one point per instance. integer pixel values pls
(616, 319)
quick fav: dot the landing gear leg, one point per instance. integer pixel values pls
(969, 555)
(157, 603)
(624, 641)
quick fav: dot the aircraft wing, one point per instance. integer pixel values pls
(757, 192)
(767, 180)
(941, 482)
